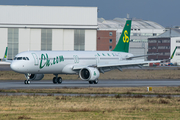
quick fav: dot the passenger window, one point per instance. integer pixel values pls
(27, 58)
(24, 58)
(15, 58)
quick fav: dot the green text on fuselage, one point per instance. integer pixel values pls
(45, 61)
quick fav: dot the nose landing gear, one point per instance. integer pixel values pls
(27, 82)
(27, 77)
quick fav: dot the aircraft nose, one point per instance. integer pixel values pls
(14, 66)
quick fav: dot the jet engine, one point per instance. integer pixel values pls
(34, 77)
(89, 73)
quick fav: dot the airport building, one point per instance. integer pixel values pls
(24, 28)
(164, 45)
(141, 30)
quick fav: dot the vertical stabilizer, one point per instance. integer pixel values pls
(5, 54)
(123, 44)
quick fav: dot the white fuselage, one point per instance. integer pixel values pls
(62, 62)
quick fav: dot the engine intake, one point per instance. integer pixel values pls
(89, 73)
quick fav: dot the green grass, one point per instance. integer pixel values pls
(105, 90)
(62, 107)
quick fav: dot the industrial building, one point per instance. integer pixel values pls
(24, 28)
(141, 30)
(164, 45)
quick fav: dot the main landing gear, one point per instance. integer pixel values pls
(57, 80)
(95, 81)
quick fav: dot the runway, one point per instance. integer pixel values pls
(19, 84)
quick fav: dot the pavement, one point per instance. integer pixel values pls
(5, 67)
(19, 84)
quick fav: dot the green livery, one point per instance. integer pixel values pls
(173, 53)
(47, 62)
(94, 73)
(5, 55)
(123, 44)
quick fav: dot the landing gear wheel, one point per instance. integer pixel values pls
(96, 81)
(90, 82)
(28, 82)
(25, 82)
(55, 80)
(59, 80)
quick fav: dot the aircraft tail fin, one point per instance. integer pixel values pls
(5, 54)
(173, 54)
(123, 44)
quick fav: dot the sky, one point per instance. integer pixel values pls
(163, 12)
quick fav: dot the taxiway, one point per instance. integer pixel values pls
(19, 84)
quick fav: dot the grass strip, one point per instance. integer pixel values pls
(86, 108)
(105, 90)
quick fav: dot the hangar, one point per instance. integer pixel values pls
(109, 32)
(24, 28)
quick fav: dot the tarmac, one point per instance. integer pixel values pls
(19, 84)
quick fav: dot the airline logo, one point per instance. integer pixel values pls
(94, 73)
(45, 62)
(125, 37)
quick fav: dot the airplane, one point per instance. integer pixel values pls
(87, 64)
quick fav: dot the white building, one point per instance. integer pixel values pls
(25, 28)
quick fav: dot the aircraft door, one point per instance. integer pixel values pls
(120, 57)
(36, 61)
(76, 59)
(97, 59)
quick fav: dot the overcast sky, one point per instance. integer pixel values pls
(164, 12)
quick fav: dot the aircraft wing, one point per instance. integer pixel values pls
(126, 63)
(5, 63)
(4, 60)
(129, 58)
(116, 64)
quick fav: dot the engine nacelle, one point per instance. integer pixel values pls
(89, 73)
(34, 77)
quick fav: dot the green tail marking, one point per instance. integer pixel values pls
(5, 55)
(173, 53)
(123, 44)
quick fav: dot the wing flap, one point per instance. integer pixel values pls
(125, 63)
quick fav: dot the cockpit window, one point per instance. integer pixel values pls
(24, 58)
(19, 58)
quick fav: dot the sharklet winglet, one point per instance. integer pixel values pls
(173, 53)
